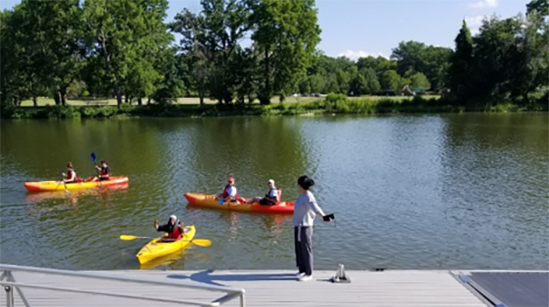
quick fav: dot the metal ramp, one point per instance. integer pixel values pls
(511, 289)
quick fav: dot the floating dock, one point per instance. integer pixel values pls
(278, 288)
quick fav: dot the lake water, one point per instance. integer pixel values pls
(460, 191)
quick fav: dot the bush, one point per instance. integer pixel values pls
(126, 108)
(106, 111)
(90, 112)
(59, 111)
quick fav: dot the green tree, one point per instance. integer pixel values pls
(317, 84)
(197, 53)
(57, 31)
(391, 80)
(429, 60)
(541, 7)
(379, 64)
(125, 36)
(419, 80)
(359, 85)
(246, 71)
(495, 59)
(409, 55)
(171, 85)
(21, 76)
(211, 38)
(285, 34)
(461, 61)
(532, 51)
(373, 85)
(343, 81)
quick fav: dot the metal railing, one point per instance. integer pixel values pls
(10, 284)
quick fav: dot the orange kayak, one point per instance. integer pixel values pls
(59, 185)
(208, 201)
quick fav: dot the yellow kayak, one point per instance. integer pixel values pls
(59, 185)
(155, 249)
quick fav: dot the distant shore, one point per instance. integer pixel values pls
(304, 106)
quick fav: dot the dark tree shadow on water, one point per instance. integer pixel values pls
(207, 278)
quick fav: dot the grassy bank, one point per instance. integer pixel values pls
(44, 101)
(332, 104)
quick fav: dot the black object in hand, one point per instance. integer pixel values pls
(328, 217)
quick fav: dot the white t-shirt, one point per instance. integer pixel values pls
(232, 191)
(305, 210)
(273, 193)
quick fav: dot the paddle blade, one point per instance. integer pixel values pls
(202, 242)
(93, 156)
(128, 237)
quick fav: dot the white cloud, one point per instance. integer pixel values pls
(484, 4)
(354, 55)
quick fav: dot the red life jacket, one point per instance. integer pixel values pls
(226, 192)
(70, 176)
(105, 172)
(175, 234)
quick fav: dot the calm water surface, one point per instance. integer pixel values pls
(409, 192)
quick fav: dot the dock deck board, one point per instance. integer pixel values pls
(263, 288)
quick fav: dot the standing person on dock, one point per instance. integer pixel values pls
(305, 210)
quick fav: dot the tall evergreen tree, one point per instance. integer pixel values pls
(461, 61)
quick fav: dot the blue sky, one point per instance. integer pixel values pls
(373, 27)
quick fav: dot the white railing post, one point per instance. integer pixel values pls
(10, 284)
(9, 296)
(8, 289)
(242, 299)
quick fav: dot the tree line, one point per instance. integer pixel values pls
(238, 51)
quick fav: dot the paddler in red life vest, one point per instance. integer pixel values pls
(174, 228)
(230, 193)
(105, 172)
(70, 175)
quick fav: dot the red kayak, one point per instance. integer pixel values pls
(208, 201)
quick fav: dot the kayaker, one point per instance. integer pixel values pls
(105, 172)
(305, 210)
(230, 193)
(174, 228)
(270, 198)
(70, 176)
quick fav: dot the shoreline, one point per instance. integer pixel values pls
(318, 107)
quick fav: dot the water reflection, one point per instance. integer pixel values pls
(166, 261)
(104, 194)
(252, 150)
(408, 191)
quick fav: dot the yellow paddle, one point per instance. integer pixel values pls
(199, 242)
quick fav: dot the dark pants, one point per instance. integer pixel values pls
(303, 236)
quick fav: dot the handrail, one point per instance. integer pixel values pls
(7, 280)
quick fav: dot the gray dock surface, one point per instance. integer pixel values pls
(263, 288)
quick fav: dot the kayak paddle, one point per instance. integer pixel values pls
(93, 159)
(64, 183)
(199, 242)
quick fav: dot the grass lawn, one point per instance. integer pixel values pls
(43, 101)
